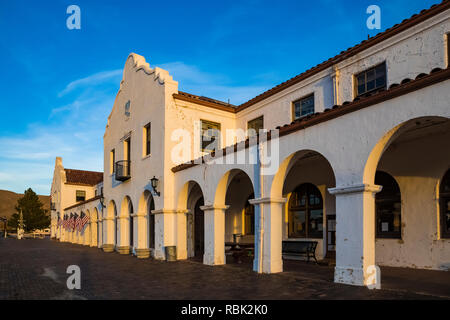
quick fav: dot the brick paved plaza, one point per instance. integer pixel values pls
(36, 269)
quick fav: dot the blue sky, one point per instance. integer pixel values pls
(57, 86)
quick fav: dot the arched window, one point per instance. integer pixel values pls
(249, 216)
(306, 212)
(388, 207)
(444, 203)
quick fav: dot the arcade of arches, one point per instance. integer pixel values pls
(406, 216)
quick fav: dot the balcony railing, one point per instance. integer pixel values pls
(123, 170)
(52, 206)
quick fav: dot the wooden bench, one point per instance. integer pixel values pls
(301, 248)
(240, 250)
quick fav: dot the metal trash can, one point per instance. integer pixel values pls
(171, 253)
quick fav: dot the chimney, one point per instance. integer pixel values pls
(58, 162)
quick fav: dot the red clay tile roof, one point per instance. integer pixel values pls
(396, 29)
(395, 90)
(81, 177)
(84, 202)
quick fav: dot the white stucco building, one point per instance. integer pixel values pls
(357, 159)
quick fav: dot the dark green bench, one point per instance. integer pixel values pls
(300, 248)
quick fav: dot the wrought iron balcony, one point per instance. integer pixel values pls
(123, 170)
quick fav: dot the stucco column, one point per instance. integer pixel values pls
(268, 235)
(142, 249)
(124, 229)
(214, 234)
(158, 252)
(87, 234)
(165, 232)
(100, 233)
(355, 234)
(93, 240)
(108, 234)
(53, 229)
(181, 222)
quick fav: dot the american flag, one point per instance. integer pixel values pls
(78, 223)
(72, 221)
(84, 220)
(64, 223)
(76, 219)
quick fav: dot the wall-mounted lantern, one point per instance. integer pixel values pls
(155, 184)
(102, 201)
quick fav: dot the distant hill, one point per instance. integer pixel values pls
(8, 201)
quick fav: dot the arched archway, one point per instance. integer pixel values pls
(304, 178)
(408, 162)
(145, 225)
(126, 227)
(190, 199)
(110, 228)
(227, 218)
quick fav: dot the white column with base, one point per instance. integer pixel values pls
(141, 235)
(214, 234)
(108, 232)
(100, 233)
(165, 231)
(87, 234)
(268, 235)
(181, 239)
(355, 235)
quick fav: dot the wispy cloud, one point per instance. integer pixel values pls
(74, 131)
(92, 80)
(76, 125)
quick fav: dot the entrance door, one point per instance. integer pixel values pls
(199, 228)
(331, 237)
(151, 225)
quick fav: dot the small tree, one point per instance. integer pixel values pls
(34, 214)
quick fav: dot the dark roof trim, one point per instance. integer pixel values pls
(83, 202)
(204, 101)
(395, 90)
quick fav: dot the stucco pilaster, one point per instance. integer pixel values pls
(108, 234)
(214, 234)
(165, 231)
(100, 233)
(268, 234)
(355, 234)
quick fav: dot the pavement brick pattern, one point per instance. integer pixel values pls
(36, 269)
